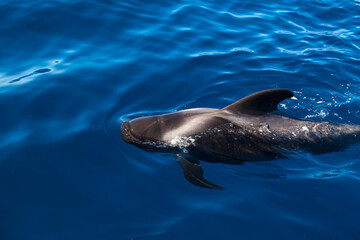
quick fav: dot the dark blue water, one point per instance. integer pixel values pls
(71, 70)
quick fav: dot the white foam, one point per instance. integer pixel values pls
(305, 129)
(182, 142)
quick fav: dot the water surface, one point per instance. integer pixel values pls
(71, 70)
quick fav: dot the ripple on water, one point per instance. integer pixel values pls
(70, 71)
(39, 71)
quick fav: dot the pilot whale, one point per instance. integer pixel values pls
(251, 129)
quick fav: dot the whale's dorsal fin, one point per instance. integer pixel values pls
(261, 102)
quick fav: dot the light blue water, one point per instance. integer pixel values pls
(70, 70)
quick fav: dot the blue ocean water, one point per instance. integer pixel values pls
(71, 70)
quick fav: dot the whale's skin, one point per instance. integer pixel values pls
(222, 134)
(239, 132)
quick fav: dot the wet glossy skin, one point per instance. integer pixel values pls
(224, 135)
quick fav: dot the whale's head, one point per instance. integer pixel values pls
(167, 132)
(145, 133)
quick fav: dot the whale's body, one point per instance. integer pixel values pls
(250, 129)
